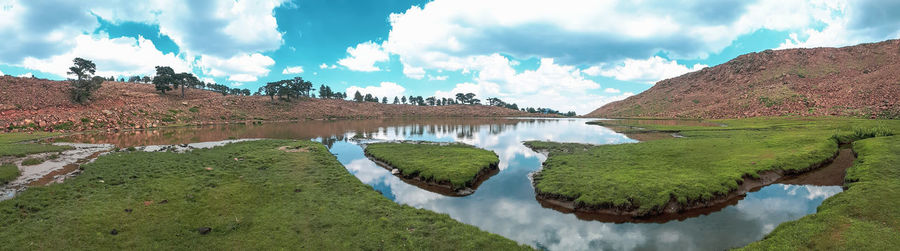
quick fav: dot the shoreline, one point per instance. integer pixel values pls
(442, 187)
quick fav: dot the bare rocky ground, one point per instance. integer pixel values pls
(858, 81)
(43, 105)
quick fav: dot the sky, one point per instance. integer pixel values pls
(568, 55)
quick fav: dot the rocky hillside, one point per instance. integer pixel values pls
(860, 81)
(35, 104)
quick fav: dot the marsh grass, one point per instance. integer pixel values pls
(864, 217)
(8, 172)
(267, 199)
(32, 161)
(455, 163)
(11, 144)
(708, 162)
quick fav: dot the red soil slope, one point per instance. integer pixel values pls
(35, 104)
(861, 81)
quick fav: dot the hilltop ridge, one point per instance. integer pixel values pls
(858, 81)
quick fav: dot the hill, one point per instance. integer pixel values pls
(35, 104)
(860, 81)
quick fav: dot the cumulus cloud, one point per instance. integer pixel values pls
(242, 68)
(40, 31)
(385, 89)
(437, 78)
(551, 85)
(122, 56)
(26, 75)
(364, 56)
(611, 90)
(649, 70)
(293, 70)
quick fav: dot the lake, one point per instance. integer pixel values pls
(505, 204)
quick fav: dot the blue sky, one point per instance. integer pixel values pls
(567, 55)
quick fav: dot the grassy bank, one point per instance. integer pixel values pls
(250, 195)
(457, 164)
(708, 163)
(865, 217)
(11, 144)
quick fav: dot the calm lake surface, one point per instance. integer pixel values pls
(505, 204)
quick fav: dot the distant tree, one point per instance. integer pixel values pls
(358, 97)
(384, 100)
(164, 77)
(396, 100)
(245, 92)
(146, 79)
(403, 99)
(134, 79)
(368, 98)
(270, 89)
(430, 101)
(84, 85)
(184, 80)
(461, 97)
(470, 98)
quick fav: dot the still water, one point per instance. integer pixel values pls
(505, 204)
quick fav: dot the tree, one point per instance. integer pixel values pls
(134, 79)
(146, 79)
(164, 76)
(84, 85)
(396, 100)
(358, 97)
(384, 100)
(403, 99)
(470, 98)
(461, 97)
(430, 101)
(368, 98)
(184, 80)
(270, 89)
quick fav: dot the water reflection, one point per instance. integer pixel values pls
(505, 204)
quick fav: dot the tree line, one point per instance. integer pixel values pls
(285, 90)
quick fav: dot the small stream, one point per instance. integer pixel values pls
(505, 204)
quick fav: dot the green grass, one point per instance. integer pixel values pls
(32, 161)
(8, 172)
(11, 144)
(864, 217)
(455, 163)
(705, 164)
(267, 199)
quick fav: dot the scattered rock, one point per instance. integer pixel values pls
(395, 171)
(297, 190)
(164, 202)
(147, 203)
(128, 210)
(114, 232)
(204, 230)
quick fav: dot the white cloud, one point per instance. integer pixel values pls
(385, 89)
(123, 56)
(293, 70)
(243, 68)
(649, 70)
(611, 90)
(1, 73)
(561, 87)
(238, 84)
(325, 66)
(26, 75)
(437, 78)
(413, 72)
(41, 31)
(363, 57)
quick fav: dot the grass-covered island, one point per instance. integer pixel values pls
(455, 167)
(268, 194)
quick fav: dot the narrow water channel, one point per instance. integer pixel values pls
(505, 204)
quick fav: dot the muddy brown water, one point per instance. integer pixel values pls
(505, 203)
